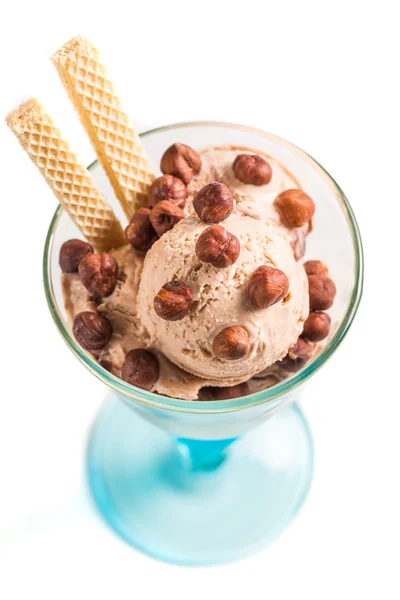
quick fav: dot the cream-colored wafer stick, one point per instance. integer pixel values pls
(116, 144)
(69, 180)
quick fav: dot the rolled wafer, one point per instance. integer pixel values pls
(69, 180)
(116, 144)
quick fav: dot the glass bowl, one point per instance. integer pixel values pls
(164, 472)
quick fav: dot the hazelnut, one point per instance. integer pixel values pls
(322, 292)
(224, 393)
(168, 187)
(298, 243)
(99, 273)
(182, 161)
(213, 203)
(315, 267)
(295, 207)
(173, 301)
(140, 232)
(267, 286)
(252, 168)
(297, 356)
(316, 327)
(165, 215)
(91, 330)
(140, 368)
(231, 343)
(218, 247)
(71, 254)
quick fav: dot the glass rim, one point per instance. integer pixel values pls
(282, 388)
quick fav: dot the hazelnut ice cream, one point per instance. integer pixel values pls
(204, 295)
(221, 298)
(209, 299)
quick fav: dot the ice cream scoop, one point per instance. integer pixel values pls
(222, 334)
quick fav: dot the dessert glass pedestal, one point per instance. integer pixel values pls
(197, 482)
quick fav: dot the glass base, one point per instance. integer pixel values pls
(147, 490)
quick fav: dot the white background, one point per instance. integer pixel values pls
(324, 75)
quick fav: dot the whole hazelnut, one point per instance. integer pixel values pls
(298, 243)
(252, 169)
(231, 343)
(91, 330)
(98, 273)
(316, 327)
(297, 356)
(267, 286)
(140, 368)
(173, 301)
(213, 203)
(182, 161)
(315, 267)
(224, 393)
(322, 292)
(295, 207)
(218, 247)
(165, 215)
(71, 254)
(167, 187)
(140, 232)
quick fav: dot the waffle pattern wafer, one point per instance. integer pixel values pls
(69, 180)
(116, 144)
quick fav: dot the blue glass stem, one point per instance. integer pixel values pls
(204, 455)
